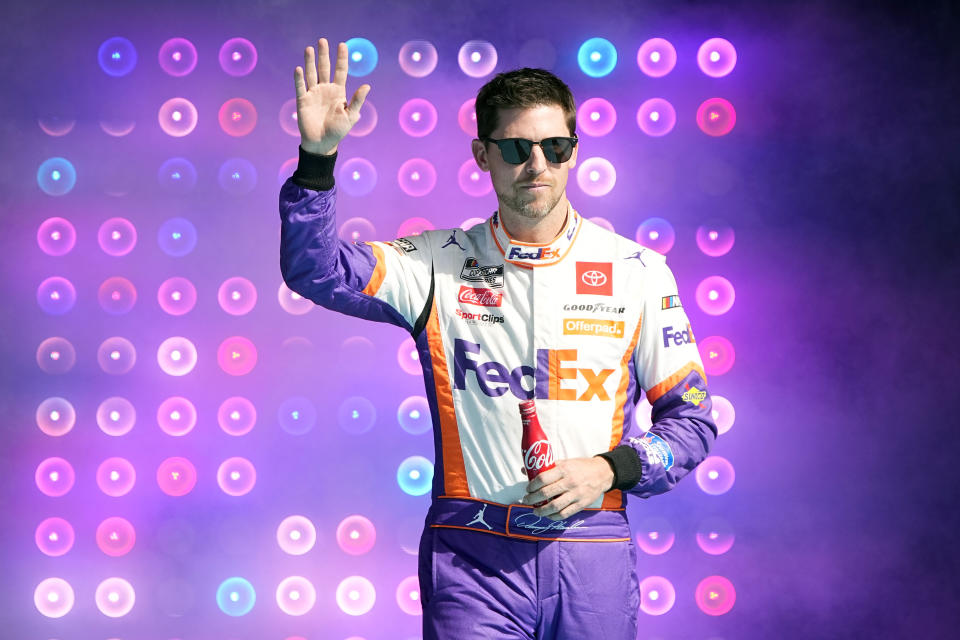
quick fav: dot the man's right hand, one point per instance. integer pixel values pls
(323, 115)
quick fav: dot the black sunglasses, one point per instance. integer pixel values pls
(517, 150)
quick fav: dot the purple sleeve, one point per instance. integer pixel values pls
(318, 265)
(668, 367)
(681, 436)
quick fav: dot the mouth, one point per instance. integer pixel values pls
(534, 186)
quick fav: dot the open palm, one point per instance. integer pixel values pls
(323, 115)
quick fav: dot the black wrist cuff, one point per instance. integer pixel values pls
(625, 462)
(315, 171)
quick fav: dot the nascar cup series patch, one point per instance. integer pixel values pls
(657, 449)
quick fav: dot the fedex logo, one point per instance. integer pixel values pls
(546, 381)
(517, 253)
(671, 337)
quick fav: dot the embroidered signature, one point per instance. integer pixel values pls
(538, 524)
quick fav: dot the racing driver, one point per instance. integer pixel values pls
(536, 302)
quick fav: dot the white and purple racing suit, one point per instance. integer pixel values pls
(581, 324)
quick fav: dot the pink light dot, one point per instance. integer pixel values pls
(55, 235)
(236, 56)
(177, 56)
(177, 116)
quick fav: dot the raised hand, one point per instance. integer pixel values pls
(323, 115)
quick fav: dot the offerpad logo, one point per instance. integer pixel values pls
(480, 297)
(595, 278)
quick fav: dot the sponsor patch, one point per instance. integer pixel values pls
(480, 297)
(693, 395)
(478, 318)
(671, 337)
(543, 253)
(592, 327)
(402, 243)
(553, 376)
(637, 256)
(597, 307)
(670, 302)
(595, 278)
(473, 271)
(453, 240)
(657, 450)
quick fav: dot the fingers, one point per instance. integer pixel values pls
(340, 71)
(323, 60)
(298, 82)
(357, 101)
(310, 67)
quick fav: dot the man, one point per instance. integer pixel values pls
(536, 303)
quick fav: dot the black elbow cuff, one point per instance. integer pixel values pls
(315, 171)
(627, 469)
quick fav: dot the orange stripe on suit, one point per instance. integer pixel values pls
(379, 272)
(655, 392)
(454, 472)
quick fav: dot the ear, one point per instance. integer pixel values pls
(480, 154)
(572, 162)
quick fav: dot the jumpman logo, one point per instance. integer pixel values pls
(479, 518)
(637, 256)
(453, 240)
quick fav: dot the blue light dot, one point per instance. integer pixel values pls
(415, 475)
(176, 175)
(363, 57)
(236, 597)
(56, 176)
(415, 414)
(354, 414)
(597, 57)
(177, 235)
(295, 415)
(235, 175)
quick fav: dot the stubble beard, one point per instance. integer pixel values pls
(514, 201)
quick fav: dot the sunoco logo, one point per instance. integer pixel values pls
(694, 396)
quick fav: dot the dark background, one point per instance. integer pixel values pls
(847, 225)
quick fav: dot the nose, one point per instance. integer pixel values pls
(537, 162)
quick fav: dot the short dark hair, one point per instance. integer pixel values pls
(522, 88)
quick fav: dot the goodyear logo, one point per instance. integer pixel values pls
(592, 327)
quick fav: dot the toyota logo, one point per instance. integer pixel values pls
(594, 278)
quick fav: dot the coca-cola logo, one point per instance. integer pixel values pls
(539, 456)
(480, 297)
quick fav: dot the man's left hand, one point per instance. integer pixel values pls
(570, 486)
